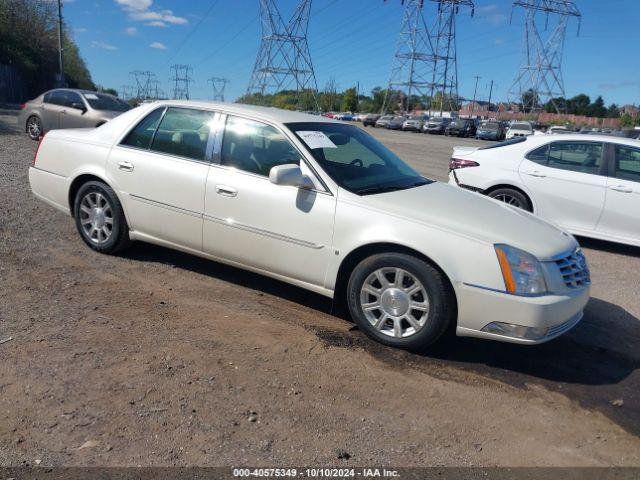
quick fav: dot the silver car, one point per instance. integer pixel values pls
(68, 108)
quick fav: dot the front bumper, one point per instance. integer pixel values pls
(555, 313)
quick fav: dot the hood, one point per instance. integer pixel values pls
(472, 215)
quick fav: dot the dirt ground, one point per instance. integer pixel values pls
(160, 358)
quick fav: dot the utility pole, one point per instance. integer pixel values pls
(284, 61)
(61, 80)
(540, 78)
(475, 90)
(490, 92)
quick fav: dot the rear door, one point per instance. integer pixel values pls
(621, 215)
(567, 182)
(53, 104)
(160, 169)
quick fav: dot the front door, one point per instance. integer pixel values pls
(249, 220)
(567, 184)
(160, 169)
(72, 116)
(621, 215)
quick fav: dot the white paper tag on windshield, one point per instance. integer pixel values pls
(90, 96)
(316, 140)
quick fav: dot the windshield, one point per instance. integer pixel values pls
(520, 126)
(355, 160)
(436, 120)
(98, 101)
(386, 118)
(489, 126)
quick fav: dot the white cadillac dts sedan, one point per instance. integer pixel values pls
(586, 184)
(322, 205)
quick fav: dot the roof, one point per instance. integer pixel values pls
(581, 137)
(276, 115)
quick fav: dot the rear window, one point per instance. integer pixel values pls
(521, 126)
(99, 101)
(506, 143)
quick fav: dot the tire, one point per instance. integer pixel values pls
(33, 127)
(95, 207)
(512, 197)
(389, 323)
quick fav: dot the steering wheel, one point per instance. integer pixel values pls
(357, 163)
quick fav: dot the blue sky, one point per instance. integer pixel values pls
(350, 40)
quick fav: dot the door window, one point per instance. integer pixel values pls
(56, 97)
(255, 147)
(70, 98)
(585, 157)
(142, 134)
(627, 163)
(540, 155)
(184, 132)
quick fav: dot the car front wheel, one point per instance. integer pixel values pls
(100, 219)
(400, 300)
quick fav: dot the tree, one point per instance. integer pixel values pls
(350, 100)
(626, 120)
(613, 111)
(530, 101)
(597, 108)
(579, 105)
(29, 43)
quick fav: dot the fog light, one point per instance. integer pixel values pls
(515, 331)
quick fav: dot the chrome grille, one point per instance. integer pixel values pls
(574, 270)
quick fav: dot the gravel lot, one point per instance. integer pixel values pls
(160, 358)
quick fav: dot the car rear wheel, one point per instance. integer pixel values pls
(512, 197)
(34, 127)
(100, 219)
(400, 300)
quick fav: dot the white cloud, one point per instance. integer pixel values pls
(158, 46)
(131, 31)
(102, 45)
(140, 11)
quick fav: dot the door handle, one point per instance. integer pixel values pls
(125, 166)
(621, 188)
(536, 173)
(226, 191)
(63, 112)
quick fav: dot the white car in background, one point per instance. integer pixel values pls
(589, 186)
(519, 129)
(322, 205)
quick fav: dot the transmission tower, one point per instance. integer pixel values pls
(425, 63)
(180, 80)
(540, 77)
(284, 61)
(144, 81)
(218, 86)
(126, 92)
(155, 91)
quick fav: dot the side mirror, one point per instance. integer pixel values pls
(79, 106)
(289, 175)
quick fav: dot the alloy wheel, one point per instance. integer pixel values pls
(394, 302)
(34, 129)
(96, 217)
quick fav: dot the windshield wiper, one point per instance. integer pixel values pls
(390, 188)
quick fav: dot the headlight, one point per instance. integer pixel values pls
(521, 271)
